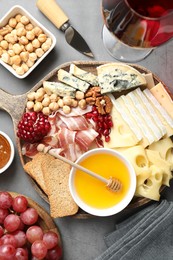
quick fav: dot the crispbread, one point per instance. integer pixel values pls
(56, 176)
(33, 168)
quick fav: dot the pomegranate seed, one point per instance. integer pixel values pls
(107, 138)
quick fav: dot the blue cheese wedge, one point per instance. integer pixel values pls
(84, 75)
(72, 81)
(116, 77)
(59, 88)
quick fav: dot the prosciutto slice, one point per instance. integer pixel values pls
(75, 123)
(85, 138)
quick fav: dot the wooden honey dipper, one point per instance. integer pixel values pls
(112, 183)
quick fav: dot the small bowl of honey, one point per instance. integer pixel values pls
(91, 194)
(6, 151)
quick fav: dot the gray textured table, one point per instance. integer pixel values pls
(82, 239)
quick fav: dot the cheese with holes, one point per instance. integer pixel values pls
(165, 148)
(166, 120)
(59, 88)
(116, 77)
(150, 110)
(155, 159)
(151, 187)
(72, 81)
(84, 75)
(121, 135)
(163, 98)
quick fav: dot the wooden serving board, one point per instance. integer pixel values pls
(15, 105)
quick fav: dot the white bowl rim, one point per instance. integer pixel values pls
(114, 209)
(12, 152)
(20, 8)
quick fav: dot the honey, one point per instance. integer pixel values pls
(5, 151)
(94, 192)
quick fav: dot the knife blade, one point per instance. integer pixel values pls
(57, 16)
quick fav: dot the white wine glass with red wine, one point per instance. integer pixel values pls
(134, 28)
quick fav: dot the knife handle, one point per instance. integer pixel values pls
(53, 12)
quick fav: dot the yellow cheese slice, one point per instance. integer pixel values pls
(163, 98)
(151, 188)
(130, 112)
(155, 159)
(149, 79)
(121, 135)
(165, 148)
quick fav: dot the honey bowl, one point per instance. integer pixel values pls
(92, 195)
(6, 151)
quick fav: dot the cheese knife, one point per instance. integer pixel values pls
(56, 15)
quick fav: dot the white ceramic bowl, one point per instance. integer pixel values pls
(115, 208)
(12, 13)
(11, 150)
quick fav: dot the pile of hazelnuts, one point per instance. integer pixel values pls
(22, 43)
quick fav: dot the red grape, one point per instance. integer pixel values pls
(54, 253)
(6, 200)
(34, 233)
(20, 204)
(7, 252)
(3, 214)
(51, 239)
(39, 249)
(1, 231)
(11, 222)
(21, 254)
(20, 237)
(29, 216)
(9, 239)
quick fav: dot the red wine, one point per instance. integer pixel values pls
(139, 23)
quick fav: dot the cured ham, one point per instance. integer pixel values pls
(30, 150)
(85, 138)
(75, 123)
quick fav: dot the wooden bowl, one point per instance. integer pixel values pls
(8, 102)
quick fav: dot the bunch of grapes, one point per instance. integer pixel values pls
(21, 237)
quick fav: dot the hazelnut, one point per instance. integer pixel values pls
(31, 96)
(54, 106)
(21, 32)
(45, 47)
(12, 22)
(82, 104)
(20, 71)
(17, 48)
(30, 105)
(38, 96)
(79, 95)
(32, 56)
(10, 38)
(48, 41)
(66, 109)
(60, 103)
(1, 38)
(19, 25)
(53, 97)
(4, 44)
(24, 55)
(37, 31)
(11, 53)
(23, 40)
(16, 60)
(6, 58)
(18, 17)
(14, 32)
(42, 37)
(29, 47)
(29, 63)
(39, 52)
(46, 110)
(9, 28)
(29, 27)
(74, 103)
(46, 102)
(30, 35)
(25, 67)
(38, 106)
(1, 51)
(24, 20)
(41, 90)
(67, 100)
(36, 43)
